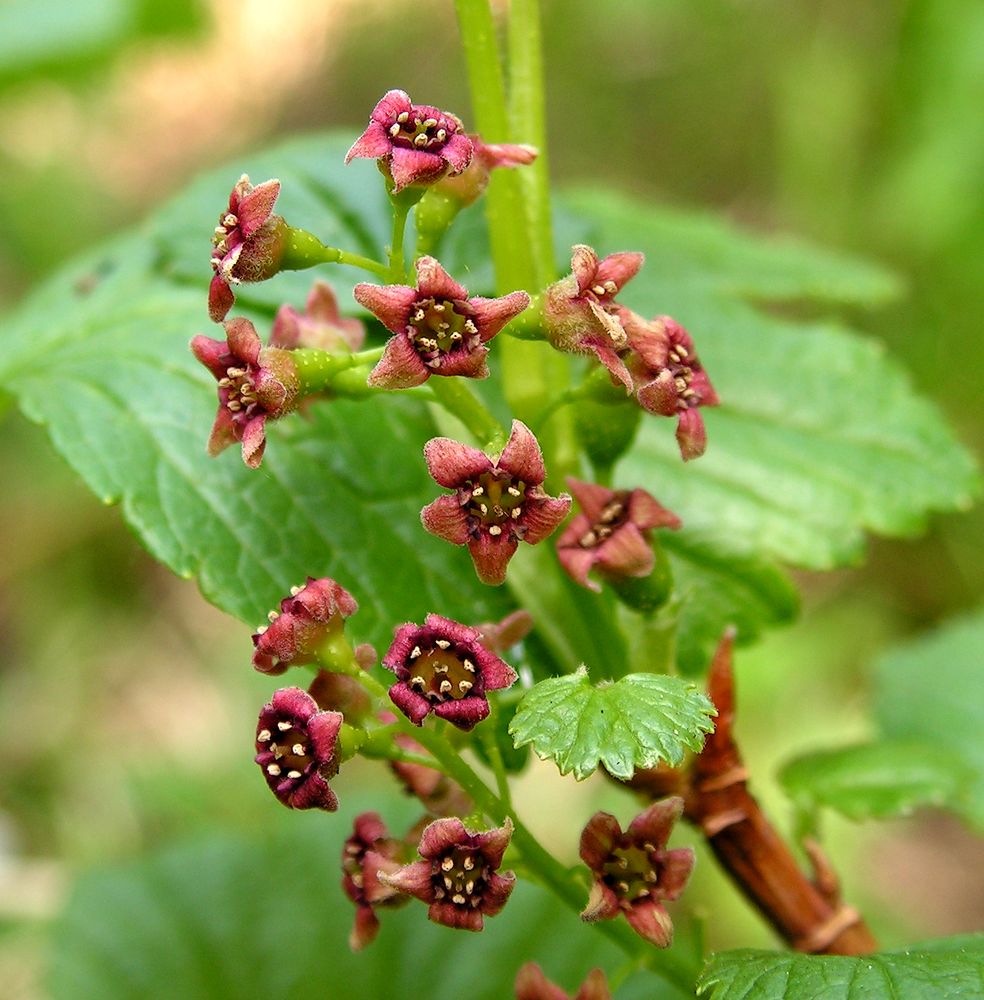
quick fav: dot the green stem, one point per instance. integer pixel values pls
(366, 263)
(318, 370)
(487, 734)
(401, 202)
(304, 250)
(459, 400)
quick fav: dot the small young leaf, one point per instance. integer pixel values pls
(876, 780)
(949, 969)
(933, 690)
(639, 721)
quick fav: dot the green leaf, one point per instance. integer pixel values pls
(932, 689)
(877, 780)
(952, 969)
(639, 721)
(230, 917)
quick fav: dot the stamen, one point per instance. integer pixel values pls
(682, 351)
(468, 665)
(458, 898)
(469, 887)
(294, 774)
(468, 864)
(415, 652)
(430, 123)
(272, 616)
(260, 629)
(465, 686)
(445, 686)
(394, 130)
(417, 682)
(284, 726)
(598, 289)
(263, 735)
(478, 491)
(495, 530)
(611, 287)
(447, 864)
(273, 770)
(442, 644)
(402, 116)
(298, 749)
(421, 140)
(441, 135)
(512, 491)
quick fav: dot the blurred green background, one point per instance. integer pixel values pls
(124, 699)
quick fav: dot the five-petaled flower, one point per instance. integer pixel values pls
(496, 504)
(634, 872)
(307, 618)
(442, 667)
(248, 244)
(580, 314)
(611, 532)
(296, 748)
(364, 855)
(458, 876)
(532, 984)
(256, 383)
(438, 329)
(418, 144)
(670, 380)
(320, 326)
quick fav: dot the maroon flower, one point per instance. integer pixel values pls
(296, 748)
(307, 618)
(342, 693)
(435, 790)
(634, 872)
(670, 380)
(580, 314)
(256, 383)
(611, 532)
(458, 876)
(417, 143)
(364, 855)
(442, 667)
(496, 504)
(320, 326)
(502, 635)
(532, 984)
(439, 329)
(248, 244)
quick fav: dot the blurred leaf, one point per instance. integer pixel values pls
(877, 780)
(639, 721)
(231, 918)
(948, 970)
(932, 689)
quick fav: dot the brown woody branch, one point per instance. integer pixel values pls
(808, 914)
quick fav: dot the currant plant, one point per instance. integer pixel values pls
(362, 443)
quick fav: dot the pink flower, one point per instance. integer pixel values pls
(458, 877)
(417, 143)
(364, 855)
(499, 636)
(248, 244)
(611, 532)
(670, 380)
(439, 329)
(532, 984)
(256, 383)
(442, 667)
(580, 314)
(342, 693)
(307, 618)
(634, 872)
(496, 504)
(471, 183)
(296, 748)
(320, 326)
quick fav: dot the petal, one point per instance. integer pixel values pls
(619, 267)
(594, 987)
(459, 917)
(413, 879)
(491, 557)
(465, 364)
(496, 673)
(462, 635)
(497, 893)
(390, 106)
(368, 827)
(650, 342)
(458, 151)
(254, 441)
(413, 166)
(446, 519)
(591, 498)
(323, 729)
(504, 154)
(390, 303)
(626, 553)
(220, 298)
(645, 511)
(651, 921)
(294, 702)
(400, 366)
(365, 928)
(701, 384)
(440, 836)
(542, 515)
(211, 354)
(577, 563)
(654, 824)
(322, 303)
(314, 793)
(452, 464)
(491, 315)
(257, 207)
(532, 984)
(414, 706)
(493, 843)
(286, 328)
(675, 872)
(404, 639)
(223, 432)
(602, 903)
(522, 457)
(660, 395)
(608, 356)
(584, 265)
(465, 713)
(244, 341)
(691, 434)
(598, 837)
(372, 144)
(434, 282)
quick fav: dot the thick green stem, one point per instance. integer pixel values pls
(304, 250)
(460, 401)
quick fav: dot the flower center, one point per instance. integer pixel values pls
(227, 223)
(442, 672)
(460, 877)
(604, 291)
(289, 746)
(440, 327)
(614, 514)
(631, 872)
(239, 389)
(496, 499)
(417, 132)
(683, 375)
